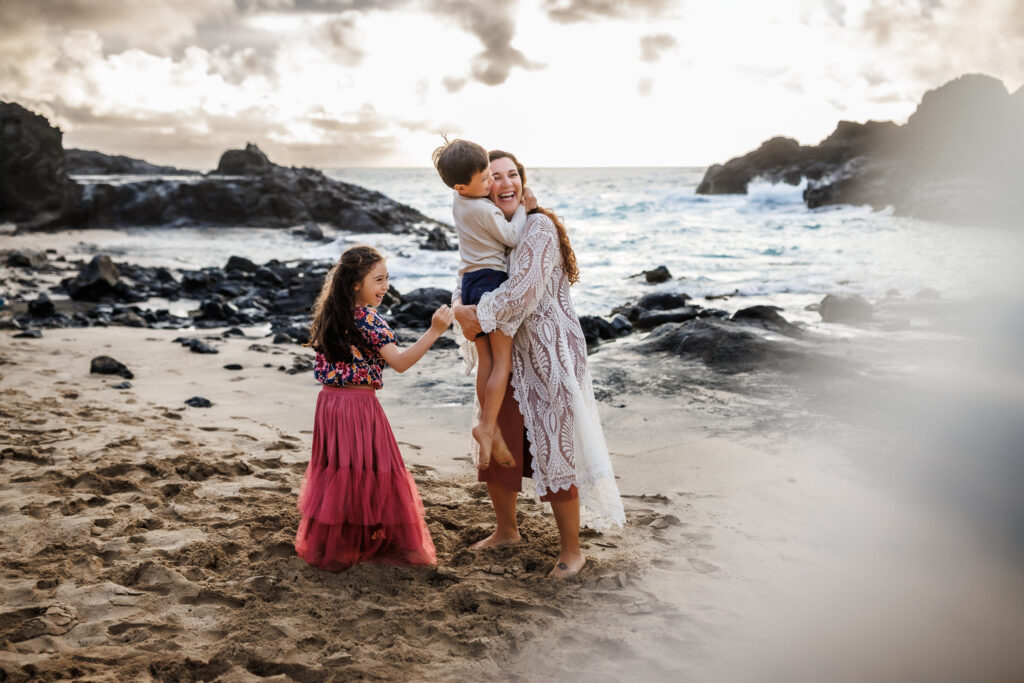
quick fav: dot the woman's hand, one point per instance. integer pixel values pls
(466, 315)
(441, 319)
(529, 199)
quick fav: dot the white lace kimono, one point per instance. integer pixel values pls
(550, 377)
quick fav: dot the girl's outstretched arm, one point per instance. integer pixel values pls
(403, 359)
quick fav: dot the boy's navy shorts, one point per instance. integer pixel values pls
(478, 282)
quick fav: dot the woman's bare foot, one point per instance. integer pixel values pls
(567, 566)
(484, 439)
(495, 540)
(500, 452)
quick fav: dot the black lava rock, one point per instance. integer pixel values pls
(767, 317)
(198, 402)
(659, 274)
(196, 345)
(29, 334)
(662, 301)
(105, 365)
(845, 308)
(651, 319)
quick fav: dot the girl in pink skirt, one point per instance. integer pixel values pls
(358, 502)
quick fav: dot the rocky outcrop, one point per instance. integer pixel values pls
(959, 158)
(246, 190)
(251, 195)
(35, 190)
(248, 161)
(88, 162)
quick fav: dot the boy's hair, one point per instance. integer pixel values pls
(458, 161)
(333, 331)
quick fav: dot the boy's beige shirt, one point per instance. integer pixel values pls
(484, 235)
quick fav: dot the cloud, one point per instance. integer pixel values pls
(652, 47)
(343, 38)
(453, 84)
(933, 41)
(573, 11)
(494, 26)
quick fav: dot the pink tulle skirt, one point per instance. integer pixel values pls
(358, 502)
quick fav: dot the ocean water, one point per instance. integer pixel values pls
(763, 247)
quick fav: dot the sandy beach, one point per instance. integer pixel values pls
(147, 540)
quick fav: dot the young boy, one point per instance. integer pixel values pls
(484, 240)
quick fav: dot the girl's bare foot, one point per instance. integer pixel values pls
(484, 439)
(495, 540)
(567, 566)
(499, 450)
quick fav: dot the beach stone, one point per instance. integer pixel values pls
(129, 319)
(233, 366)
(845, 308)
(25, 258)
(437, 240)
(729, 347)
(663, 301)
(95, 281)
(310, 231)
(658, 275)
(122, 385)
(240, 264)
(195, 345)
(198, 402)
(29, 334)
(652, 319)
(105, 365)
(596, 329)
(767, 317)
(42, 307)
(621, 325)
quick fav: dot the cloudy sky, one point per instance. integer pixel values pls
(558, 82)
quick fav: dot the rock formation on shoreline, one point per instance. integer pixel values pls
(89, 162)
(959, 158)
(246, 190)
(35, 191)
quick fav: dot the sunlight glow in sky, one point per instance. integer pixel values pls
(558, 82)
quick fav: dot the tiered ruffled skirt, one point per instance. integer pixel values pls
(358, 502)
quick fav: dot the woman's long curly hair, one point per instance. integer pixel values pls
(333, 331)
(572, 271)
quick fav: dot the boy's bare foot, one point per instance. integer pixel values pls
(484, 440)
(500, 452)
(567, 566)
(494, 540)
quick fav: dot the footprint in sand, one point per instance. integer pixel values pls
(701, 566)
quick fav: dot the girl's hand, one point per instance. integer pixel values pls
(441, 319)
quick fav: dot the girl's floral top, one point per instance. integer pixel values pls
(362, 370)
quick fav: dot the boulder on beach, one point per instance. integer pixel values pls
(100, 280)
(845, 308)
(31, 259)
(105, 365)
(728, 347)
